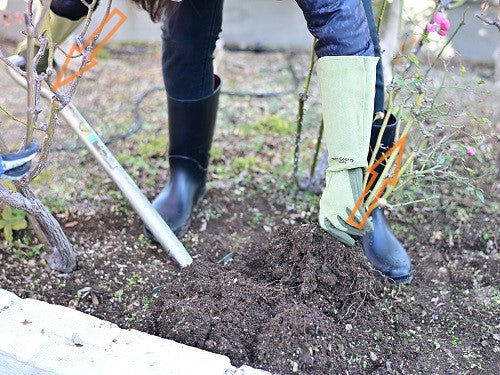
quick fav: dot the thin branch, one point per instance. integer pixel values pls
(47, 142)
(11, 116)
(483, 15)
(381, 16)
(489, 21)
(88, 19)
(3, 145)
(10, 64)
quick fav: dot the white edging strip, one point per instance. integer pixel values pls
(39, 338)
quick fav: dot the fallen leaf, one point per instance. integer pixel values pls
(71, 224)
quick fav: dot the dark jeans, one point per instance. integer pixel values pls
(191, 28)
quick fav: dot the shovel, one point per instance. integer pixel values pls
(155, 223)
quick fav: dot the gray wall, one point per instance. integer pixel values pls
(280, 24)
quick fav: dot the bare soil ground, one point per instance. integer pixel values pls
(292, 300)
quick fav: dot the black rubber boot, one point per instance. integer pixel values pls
(191, 129)
(381, 247)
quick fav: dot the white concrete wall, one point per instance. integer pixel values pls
(267, 22)
(279, 24)
(42, 339)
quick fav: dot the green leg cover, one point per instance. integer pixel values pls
(347, 85)
(60, 29)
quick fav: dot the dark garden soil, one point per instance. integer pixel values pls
(305, 303)
(279, 307)
(292, 299)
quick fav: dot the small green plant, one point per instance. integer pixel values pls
(134, 279)
(118, 295)
(276, 124)
(132, 318)
(144, 240)
(12, 220)
(248, 163)
(120, 205)
(455, 341)
(146, 302)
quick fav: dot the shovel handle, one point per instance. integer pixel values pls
(155, 223)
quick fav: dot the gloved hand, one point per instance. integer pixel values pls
(14, 166)
(347, 85)
(343, 189)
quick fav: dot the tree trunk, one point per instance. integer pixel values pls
(60, 255)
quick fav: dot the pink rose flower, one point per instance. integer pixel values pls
(471, 151)
(439, 17)
(430, 27)
(445, 25)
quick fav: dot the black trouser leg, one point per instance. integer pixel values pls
(190, 31)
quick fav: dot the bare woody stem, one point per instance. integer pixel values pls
(3, 145)
(30, 74)
(381, 16)
(484, 17)
(64, 99)
(12, 117)
(300, 114)
(47, 143)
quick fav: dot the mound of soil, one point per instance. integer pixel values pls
(282, 308)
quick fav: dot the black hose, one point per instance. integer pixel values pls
(138, 102)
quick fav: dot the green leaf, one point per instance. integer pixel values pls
(7, 212)
(19, 224)
(7, 231)
(480, 195)
(13, 219)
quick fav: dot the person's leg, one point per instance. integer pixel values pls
(346, 28)
(190, 31)
(346, 75)
(65, 17)
(340, 26)
(381, 246)
(73, 10)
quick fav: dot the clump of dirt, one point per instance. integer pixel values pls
(278, 307)
(320, 270)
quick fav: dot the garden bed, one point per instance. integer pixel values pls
(292, 299)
